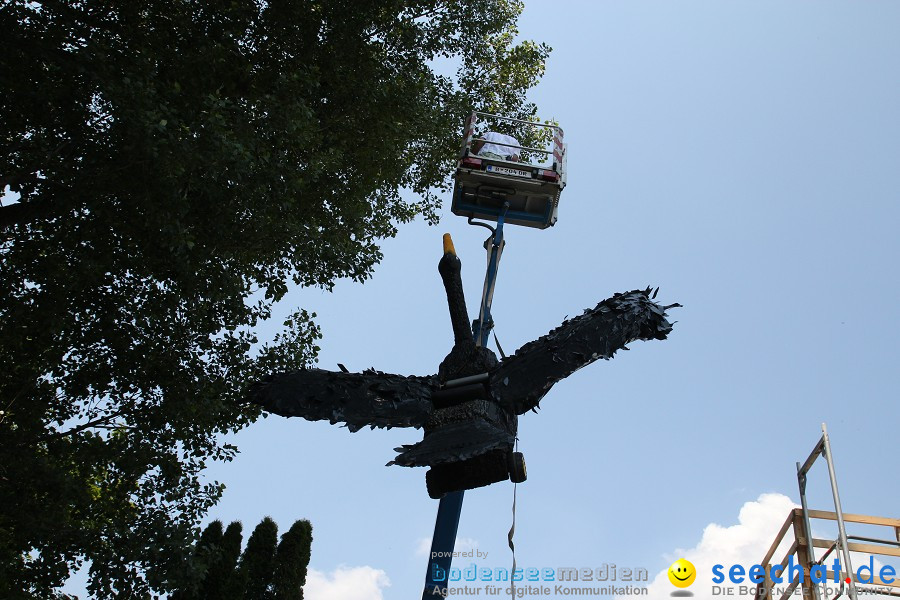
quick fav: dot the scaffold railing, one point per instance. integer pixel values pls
(834, 574)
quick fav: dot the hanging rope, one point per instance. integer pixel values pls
(509, 536)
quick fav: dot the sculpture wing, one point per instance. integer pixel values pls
(521, 380)
(370, 398)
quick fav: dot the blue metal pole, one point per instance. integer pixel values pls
(446, 524)
(482, 327)
(442, 544)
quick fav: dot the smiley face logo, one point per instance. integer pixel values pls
(682, 573)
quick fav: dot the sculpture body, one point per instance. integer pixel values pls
(469, 410)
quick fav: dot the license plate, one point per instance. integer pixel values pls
(507, 171)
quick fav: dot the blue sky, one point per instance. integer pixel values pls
(743, 156)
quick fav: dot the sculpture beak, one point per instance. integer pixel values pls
(448, 245)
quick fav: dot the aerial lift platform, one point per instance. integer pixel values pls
(531, 185)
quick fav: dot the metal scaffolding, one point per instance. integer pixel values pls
(802, 550)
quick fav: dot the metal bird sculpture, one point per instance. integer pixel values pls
(469, 410)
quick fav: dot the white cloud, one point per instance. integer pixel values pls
(744, 543)
(346, 583)
(423, 546)
(466, 544)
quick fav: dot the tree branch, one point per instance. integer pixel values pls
(21, 213)
(102, 422)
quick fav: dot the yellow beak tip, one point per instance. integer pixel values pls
(448, 245)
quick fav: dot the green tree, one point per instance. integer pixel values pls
(263, 571)
(217, 558)
(291, 561)
(257, 565)
(210, 563)
(208, 550)
(227, 586)
(167, 169)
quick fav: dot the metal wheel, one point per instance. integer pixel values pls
(517, 471)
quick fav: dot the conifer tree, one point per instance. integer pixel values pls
(263, 572)
(219, 581)
(292, 560)
(258, 561)
(206, 552)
